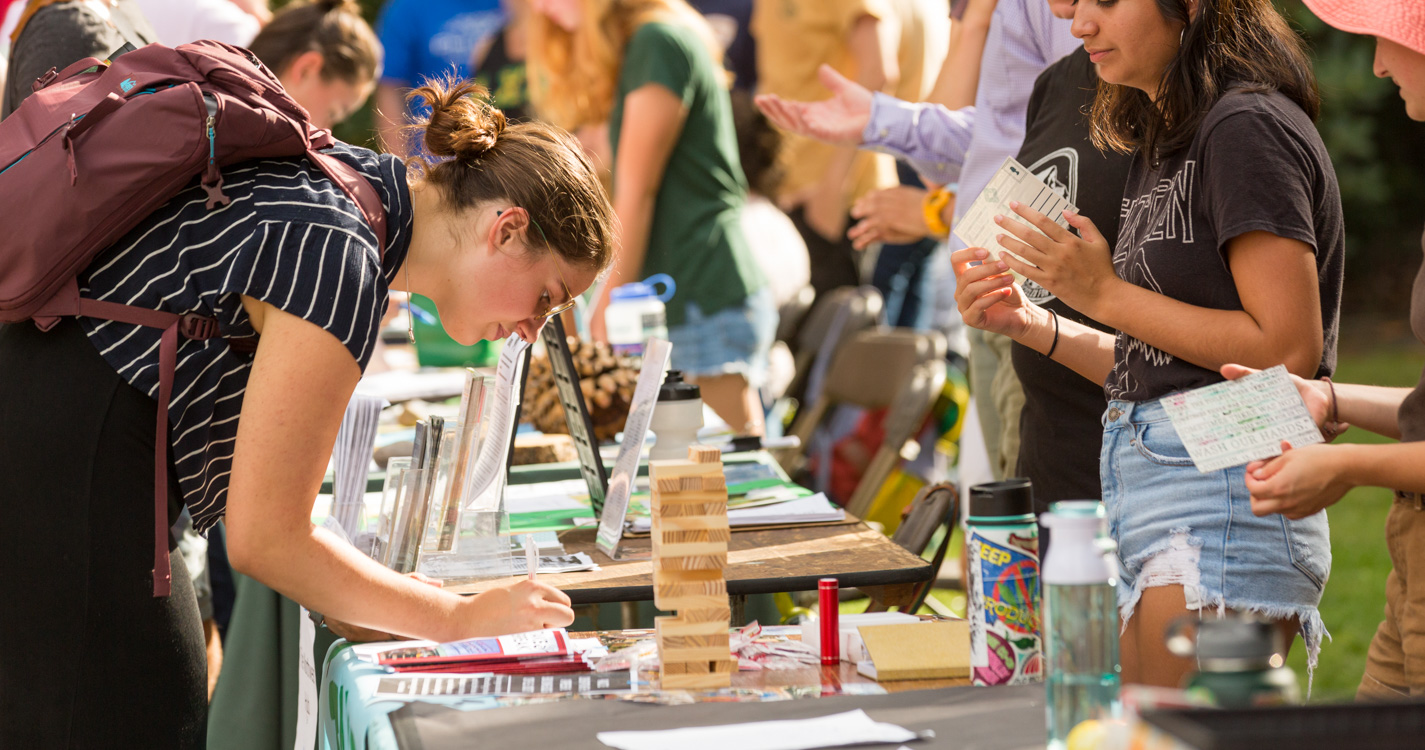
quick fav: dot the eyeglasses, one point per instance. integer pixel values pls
(567, 304)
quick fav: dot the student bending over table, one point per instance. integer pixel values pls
(1304, 481)
(502, 232)
(1230, 250)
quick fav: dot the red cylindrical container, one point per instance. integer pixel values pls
(827, 588)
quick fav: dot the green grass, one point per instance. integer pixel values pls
(1355, 595)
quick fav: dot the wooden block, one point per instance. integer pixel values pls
(712, 587)
(690, 562)
(688, 576)
(676, 627)
(668, 499)
(680, 667)
(690, 549)
(715, 483)
(704, 454)
(678, 643)
(680, 536)
(711, 508)
(695, 681)
(699, 595)
(668, 484)
(726, 666)
(694, 523)
(691, 484)
(680, 468)
(721, 614)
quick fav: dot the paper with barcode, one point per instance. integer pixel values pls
(1013, 182)
(1237, 421)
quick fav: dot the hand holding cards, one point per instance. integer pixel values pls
(1243, 420)
(1013, 182)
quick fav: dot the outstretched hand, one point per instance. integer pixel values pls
(1078, 269)
(840, 119)
(1314, 393)
(1298, 483)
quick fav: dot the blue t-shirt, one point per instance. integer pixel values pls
(428, 38)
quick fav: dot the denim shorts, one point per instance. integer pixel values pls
(733, 340)
(1175, 525)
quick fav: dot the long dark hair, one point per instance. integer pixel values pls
(1231, 43)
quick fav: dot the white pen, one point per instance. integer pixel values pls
(531, 556)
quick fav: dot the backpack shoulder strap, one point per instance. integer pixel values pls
(358, 189)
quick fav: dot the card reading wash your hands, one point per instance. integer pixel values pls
(1013, 182)
(1232, 423)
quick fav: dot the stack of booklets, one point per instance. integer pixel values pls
(538, 652)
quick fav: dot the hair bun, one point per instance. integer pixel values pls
(462, 123)
(349, 6)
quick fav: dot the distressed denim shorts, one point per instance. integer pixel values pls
(1175, 525)
(736, 339)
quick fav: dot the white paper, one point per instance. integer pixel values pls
(495, 448)
(1237, 421)
(399, 385)
(836, 730)
(546, 496)
(810, 509)
(306, 684)
(1013, 182)
(351, 460)
(645, 395)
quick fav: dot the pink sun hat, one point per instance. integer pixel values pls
(1401, 21)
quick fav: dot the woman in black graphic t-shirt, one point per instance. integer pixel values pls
(1229, 250)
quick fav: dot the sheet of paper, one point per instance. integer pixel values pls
(306, 683)
(645, 395)
(810, 509)
(495, 448)
(836, 730)
(411, 686)
(1013, 182)
(568, 494)
(554, 564)
(351, 459)
(1237, 421)
(401, 385)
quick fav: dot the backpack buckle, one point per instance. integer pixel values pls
(197, 327)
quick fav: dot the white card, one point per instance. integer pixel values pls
(1237, 421)
(645, 396)
(1013, 182)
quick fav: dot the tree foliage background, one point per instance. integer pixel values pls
(1378, 153)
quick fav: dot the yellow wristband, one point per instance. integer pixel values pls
(933, 206)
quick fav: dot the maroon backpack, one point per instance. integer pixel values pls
(102, 144)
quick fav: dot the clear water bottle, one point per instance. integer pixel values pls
(1080, 620)
(635, 314)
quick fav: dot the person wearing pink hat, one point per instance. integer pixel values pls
(1303, 481)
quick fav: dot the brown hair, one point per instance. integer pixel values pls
(757, 145)
(1230, 43)
(335, 28)
(480, 158)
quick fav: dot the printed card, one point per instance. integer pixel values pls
(1013, 182)
(1232, 423)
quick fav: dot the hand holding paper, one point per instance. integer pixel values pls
(1077, 269)
(1298, 483)
(1232, 423)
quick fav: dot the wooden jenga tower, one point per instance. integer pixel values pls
(690, 536)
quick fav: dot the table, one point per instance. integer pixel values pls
(353, 719)
(255, 702)
(963, 718)
(759, 562)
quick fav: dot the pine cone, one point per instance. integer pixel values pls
(606, 381)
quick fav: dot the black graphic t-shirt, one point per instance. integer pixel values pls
(1059, 427)
(1257, 163)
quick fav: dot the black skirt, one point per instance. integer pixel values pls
(89, 657)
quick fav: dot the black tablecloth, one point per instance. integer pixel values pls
(964, 718)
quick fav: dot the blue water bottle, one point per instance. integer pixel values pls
(1080, 620)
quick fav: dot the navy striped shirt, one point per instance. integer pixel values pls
(291, 238)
